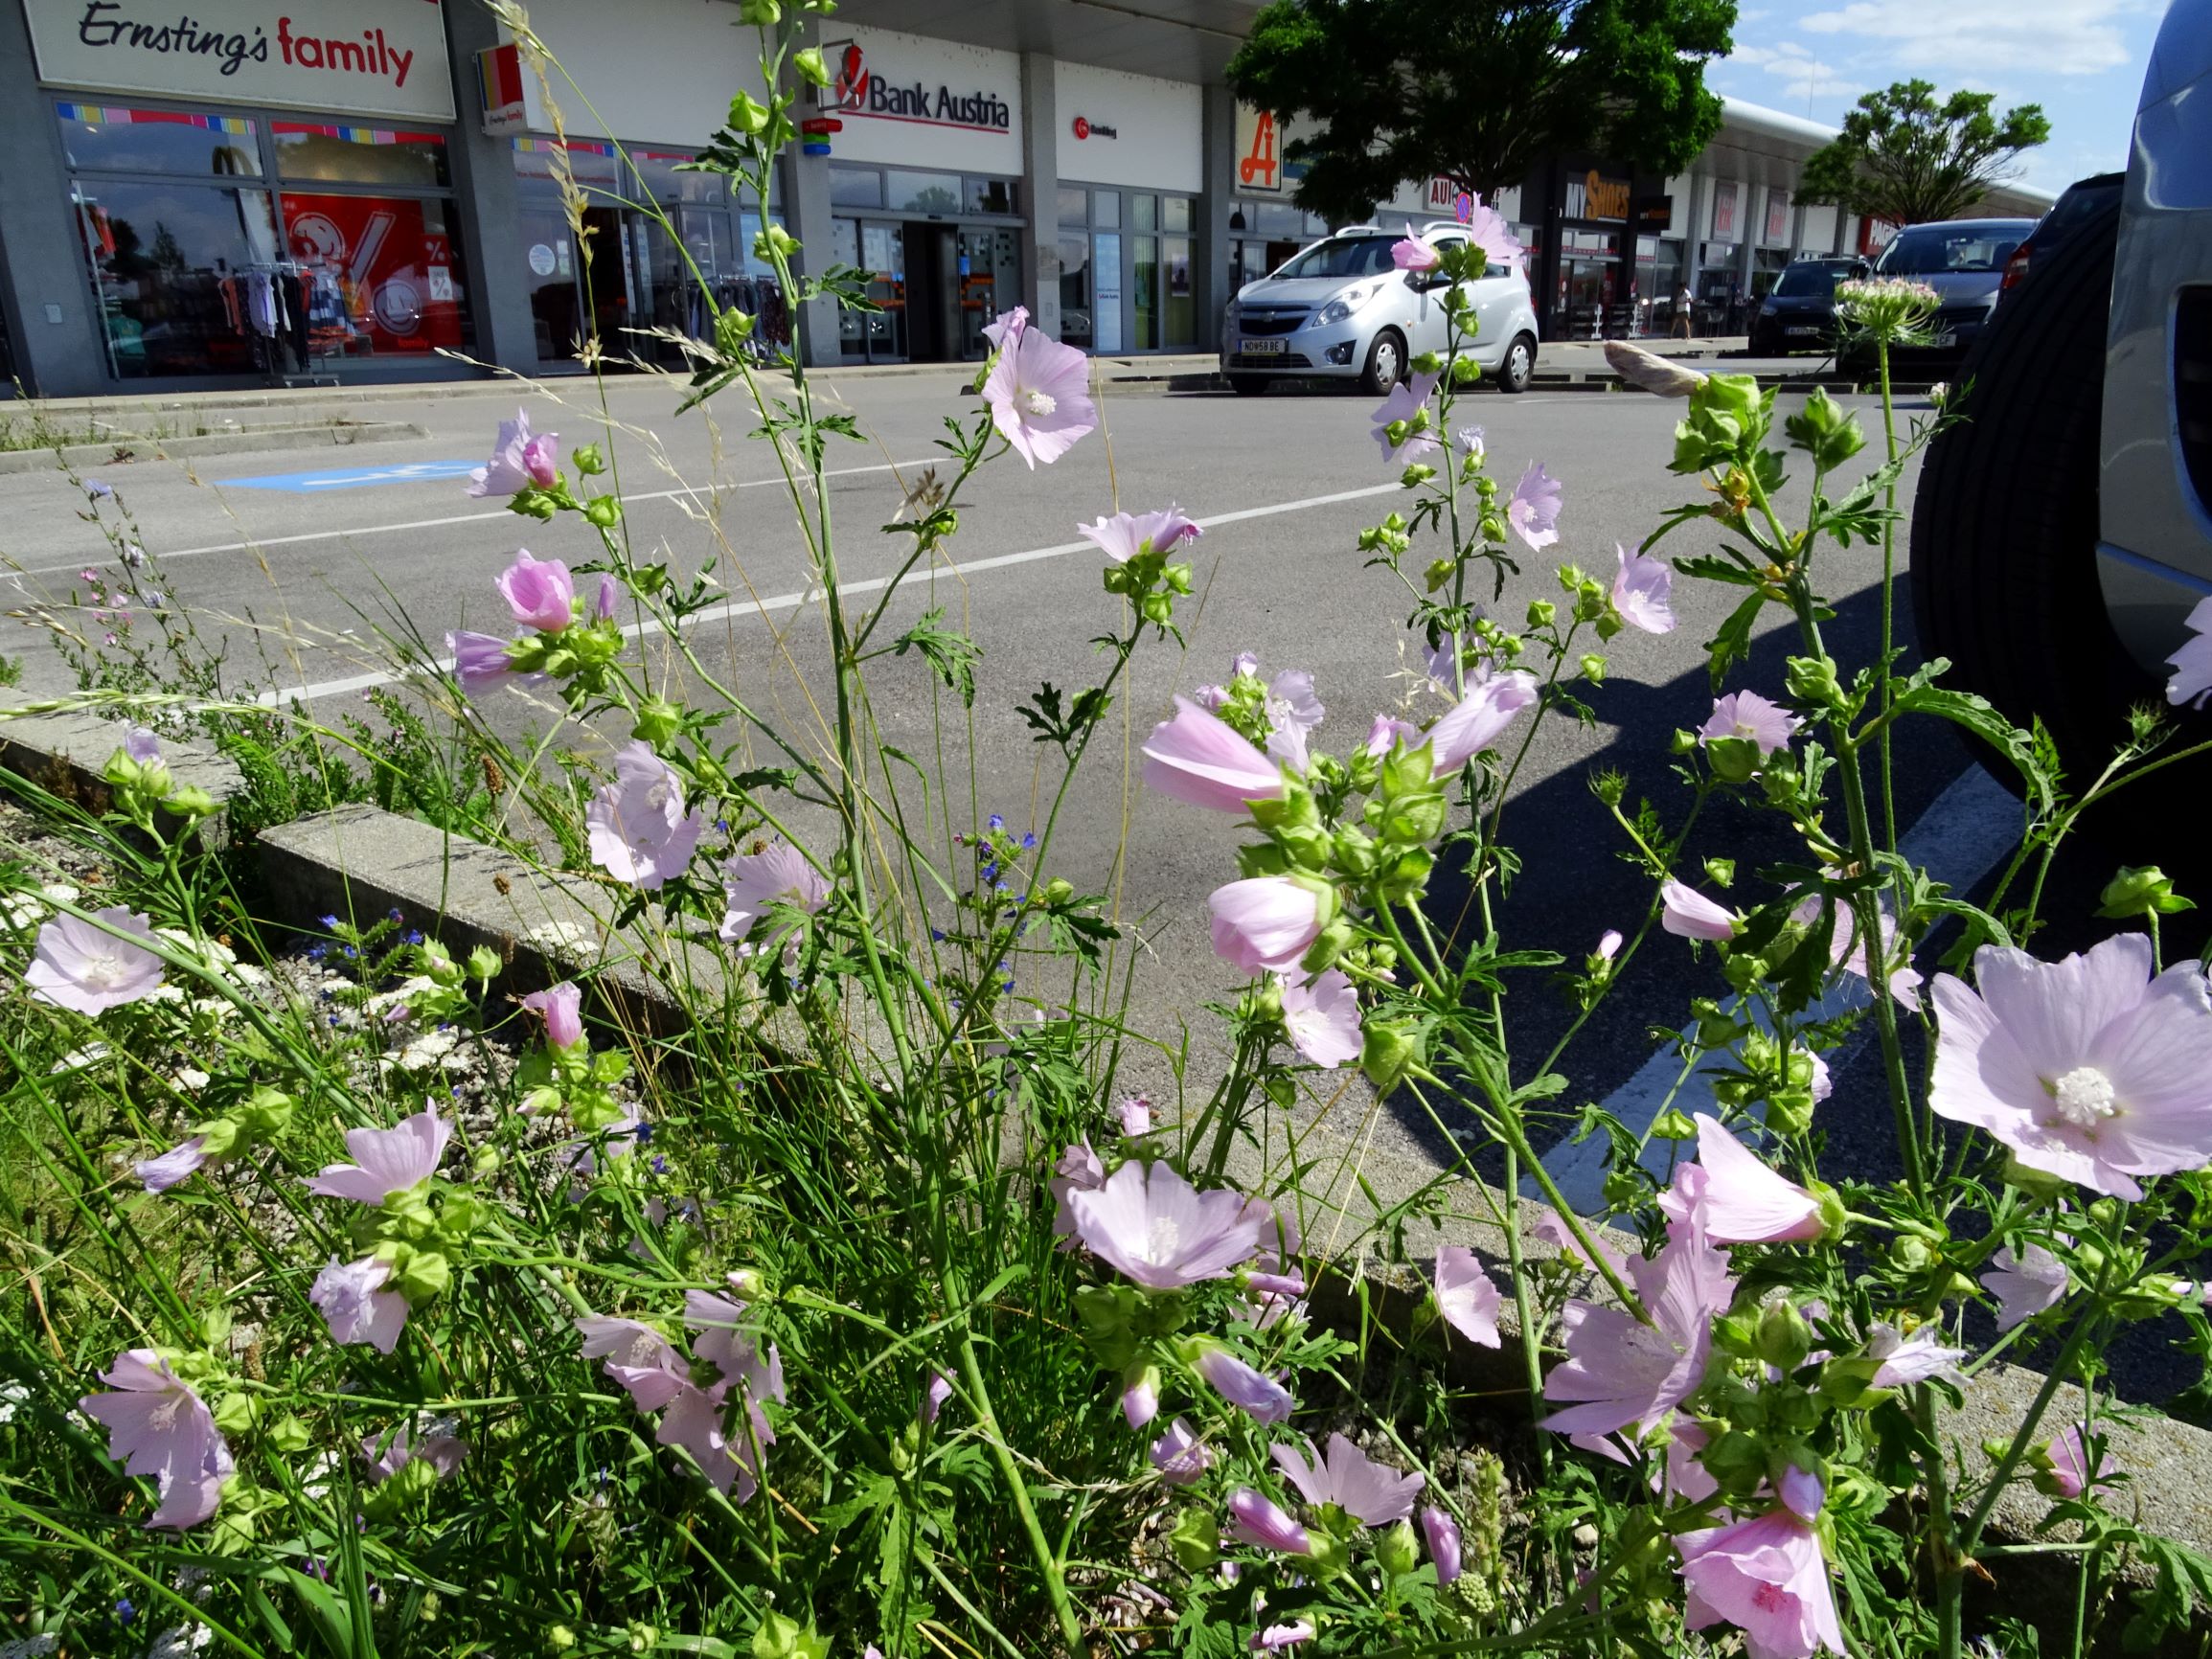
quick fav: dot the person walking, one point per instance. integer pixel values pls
(1682, 326)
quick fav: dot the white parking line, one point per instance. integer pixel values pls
(247, 543)
(737, 610)
(1959, 839)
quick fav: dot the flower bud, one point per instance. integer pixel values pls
(1716, 1027)
(191, 802)
(1395, 1552)
(590, 459)
(1386, 1049)
(1912, 1253)
(2106, 1213)
(1541, 612)
(811, 67)
(657, 721)
(289, 1434)
(1493, 527)
(1674, 1124)
(1784, 1338)
(1438, 573)
(1195, 1540)
(1812, 680)
(602, 511)
(1683, 743)
(2143, 892)
(1593, 668)
(1733, 759)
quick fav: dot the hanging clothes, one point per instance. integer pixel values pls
(264, 305)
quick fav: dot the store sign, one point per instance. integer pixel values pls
(860, 89)
(1654, 214)
(1777, 217)
(1085, 127)
(1724, 211)
(1875, 235)
(509, 92)
(346, 57)
(1260, 170)
(1595, 196)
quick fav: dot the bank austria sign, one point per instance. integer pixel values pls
(346, 57)
(861, 88)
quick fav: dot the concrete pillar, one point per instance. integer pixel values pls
(45, 285)
(486, 201)
(1699, 227)
(805, 181)
(1040, 190)
(1218, 178)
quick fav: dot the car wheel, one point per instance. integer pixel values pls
(1386, 364)
(1248, 385)
(2004, 526)
(1518, 366)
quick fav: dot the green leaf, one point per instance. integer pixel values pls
(1733, 642)
(952, 654)
(1980, 717)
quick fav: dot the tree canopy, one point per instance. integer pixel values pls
(1478, 91)
(1905, 158)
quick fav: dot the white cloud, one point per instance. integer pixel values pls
(2068, 36)
(1800, 75)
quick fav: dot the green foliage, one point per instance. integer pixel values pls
(1907, 157)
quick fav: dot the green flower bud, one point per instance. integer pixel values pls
(1386, 1049)
(560, 1638)
(1683, 743)
(2106, 1213)
(748, 115)
(484, 962)
(215, 1326)
(602, 511)
(811, 67)
(1812, 680)
(264, 1113)
(1416, 474)
(1493, 527)
(1438, 573)
(1716, 1027)
(1395, 1551)
(1541, 612)
(191, 802)
(1674, 1124)
(1195, 1540)
(2140, 892)
(290, 1435)
(233, 1413)
(1733, 759)
(1784, 1338)
(1334, 940)
(590, 458)
(1593, 668)
(1912, 1253)
(1721, 872)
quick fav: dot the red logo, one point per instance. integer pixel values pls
(850, 90)
(1081, 128)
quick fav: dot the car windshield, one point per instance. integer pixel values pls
(1815, 282)
(1929, 253)
(1343, 257)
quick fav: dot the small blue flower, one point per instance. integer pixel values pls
(328, 923)
(395, 914)
(1029, 840)
(348, 951)
(995, 822)
(333, 1021)
(937, 934)
(644, 1133)
(660, 1164)
(94, 491)
(125, 1612)
(989, 872)
(414, 936)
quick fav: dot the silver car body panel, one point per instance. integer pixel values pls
(2154, 552)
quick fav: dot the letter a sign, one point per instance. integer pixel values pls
(1258, 152)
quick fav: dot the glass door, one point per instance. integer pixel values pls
(990, 284)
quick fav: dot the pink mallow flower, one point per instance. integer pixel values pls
(1475, 722)
(1534, 511)
(1277, 1637)
(1256, 1519)
(518, 460)
(1158, 1230)
(2192, 660)
(1077, 1170)
(1038, 390)
(1486, 229)
(1252, 1392)
(562, 1006)
(1180, 1455)
(934, 1393)
(1623, 1374)
(1901, 1361)
(2024, 1283)
(387, 1161)
(1323, 1019)
(158, 1425)
(1265, 923)
(1641, 590)
(640, 1359)
(755, 883)
(398, 1446)
(1443, 1534)
(1413, 253)
(1136, 1116)
(2092, 1068)
(1125, 536)
(1738, 1197)
(540, 591)
(179, 1163)
(480, 661)
(356, 1306)
(1688, 914)
(1748, 715)
(1407, 400)
(1363, 1489)
(84, 967)
(1200, 759)
(1467, 1296)
(2069, 1476)
(1767, 1576)
(638, 828)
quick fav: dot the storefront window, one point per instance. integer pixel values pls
(360, 154)
(1075, 296)
(1073, 205)
(1175, 213)
(185, 276)
(1144, 213)
(1179, 324)
(1105, 209)
(852, 188)
(109, 139)
(1106, 291)
(1144, 291)
(370, 276)
(992, 196)
(922, 193)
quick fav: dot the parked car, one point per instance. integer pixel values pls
(2078, 207)
(1341, 310)
(1964, 262)
(1799, 313)
(2063, 533)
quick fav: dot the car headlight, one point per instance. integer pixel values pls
(1234, 311)
(1345, 304)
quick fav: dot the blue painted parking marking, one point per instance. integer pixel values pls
(356, 477)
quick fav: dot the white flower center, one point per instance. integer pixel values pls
(1163, 1239)
(2083, 1098)
(102, 970)
(657, 796)
(1039, 402)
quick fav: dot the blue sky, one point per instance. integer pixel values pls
(2081, 60)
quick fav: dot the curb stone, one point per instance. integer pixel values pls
(125, 450)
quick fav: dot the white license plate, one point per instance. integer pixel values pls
(1945, 340)
(1257, 348)
(1802, 330)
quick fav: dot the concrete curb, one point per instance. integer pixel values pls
(125, 450)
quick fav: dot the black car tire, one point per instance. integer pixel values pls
(1249, 385)
(1386, 364)
(1517, 367)
(2004, 526)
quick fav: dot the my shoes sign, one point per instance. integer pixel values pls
(350, 56)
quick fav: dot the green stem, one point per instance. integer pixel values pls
(987, 1419)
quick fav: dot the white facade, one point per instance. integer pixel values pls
(924, 103)
(654, 72)
(1128, 129)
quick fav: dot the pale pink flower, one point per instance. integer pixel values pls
(2192, 660)
(1486, 229)
(356, 1306)
(1181, 1456)
(1256, 1519)
(1609, 943)
(1467, 1296)
(639, 1358)
(1265, 923)
(1252, 1392)
(540, 591)
(754, 883)
(1443, 1534)
(81, 967)
(1388, 732)
(1847, 947)
(693, 1422)
(1160, 1231)
(1905, 1360)
(2024, 1283)
(1474, 722)
(1412, 254)
(638, 828)
(1641, 591)
(1534, 511)
(934, 1393)
(1751, 716)
(541, 458)
(1292, 703)
(1276, 1637)
(141, 744)
(719, 1337)
(1739, 1198)
(387, 1454)
(562, 1006)
(480, 661)
(2069, 1476)
(1407, 399)
(1681, 1475)
(1620, 1373)
(1037, 392)
(513, 466)
(158, 1425)
(996, 331)
(1141, 1396)
(1077, 1171)
(387, 1161)
(1136, 1116)
(177, 1164)
(1354, 1481)
(1125, 536)
(1688, 914)
(1767, 1576)
(1200, 759)
(610, 596)
(1323, 1019)
(2088, 1068)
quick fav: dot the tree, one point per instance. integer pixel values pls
(1905, 158)
(1479, 91)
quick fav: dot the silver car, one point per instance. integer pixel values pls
(2063, 533)
(1342, 309)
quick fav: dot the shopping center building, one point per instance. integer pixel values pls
(211, 194)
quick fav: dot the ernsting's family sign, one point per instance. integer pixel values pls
(356, 56)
